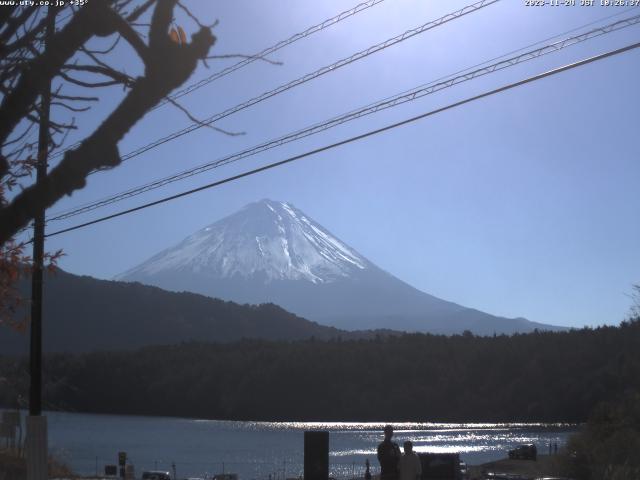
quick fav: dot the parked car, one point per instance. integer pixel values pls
(156, 475)
(524, 452)
(503, 476)
(226, 476)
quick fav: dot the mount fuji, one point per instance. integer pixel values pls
(271, 252)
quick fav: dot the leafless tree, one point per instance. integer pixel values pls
(27, 65)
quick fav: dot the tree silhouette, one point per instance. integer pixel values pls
(27, 65)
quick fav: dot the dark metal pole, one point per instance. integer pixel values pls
(35, 365)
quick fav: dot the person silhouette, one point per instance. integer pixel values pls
(389, 456)
(410, 465)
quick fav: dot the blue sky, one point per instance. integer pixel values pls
(522, 204)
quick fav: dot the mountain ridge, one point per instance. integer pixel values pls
(273, 252)
(84, 314)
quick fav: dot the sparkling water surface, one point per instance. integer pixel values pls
(257, 450)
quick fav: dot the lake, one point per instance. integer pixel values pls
(257, 450)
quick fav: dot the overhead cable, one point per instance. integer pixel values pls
(384, 104)
(370, 133)
(273, 48)
(260, 55)
(306, 78)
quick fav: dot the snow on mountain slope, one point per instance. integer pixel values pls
(267, 238)
(272, 252)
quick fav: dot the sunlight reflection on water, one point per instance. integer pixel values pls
(256, 450)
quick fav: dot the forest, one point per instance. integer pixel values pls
(541, 376)
(607, 446)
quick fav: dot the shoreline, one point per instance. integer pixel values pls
(545, 465)
(326, 423)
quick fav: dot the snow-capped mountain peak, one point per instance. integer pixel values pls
(272, 252)
(267, 239)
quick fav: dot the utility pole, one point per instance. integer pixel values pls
(37, 448)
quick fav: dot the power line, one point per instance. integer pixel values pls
(250, 59)
(310, 76)
(357, 137)
(345, 61)
(269, 50)
(389, 102)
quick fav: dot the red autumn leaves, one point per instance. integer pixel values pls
(178, 36)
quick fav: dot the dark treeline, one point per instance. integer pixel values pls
(607, 447)
(542, 376)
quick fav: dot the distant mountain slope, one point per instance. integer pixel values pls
(85, 314)
(272, 252)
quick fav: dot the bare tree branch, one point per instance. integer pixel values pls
(200, 122)
(131, 36)
(108, 50)
(167, 66)
(117, 76)
(20, 137)
(29, 36)
(14, 23)
(194, 18)
(63, 45)
(82, 83)
(140, 10)
(75, 98)
(69, 107)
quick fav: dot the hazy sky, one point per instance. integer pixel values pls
(522, 204)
